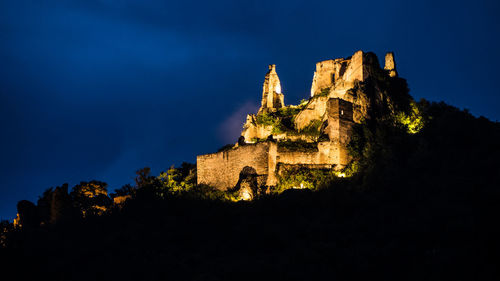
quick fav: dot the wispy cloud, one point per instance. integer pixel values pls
(230, 129)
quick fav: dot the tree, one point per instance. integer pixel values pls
(143, 178)
(61, 208)
(90, 198)
(27, 212)
(43, 205)
(177, 180)
(5, 228)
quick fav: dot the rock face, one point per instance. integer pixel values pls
(322, 126)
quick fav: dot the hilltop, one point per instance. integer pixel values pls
(416, 199)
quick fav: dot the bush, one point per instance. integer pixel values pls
(299, 145)
(300, 177)
(313, 128)
(324, 92)
(226, 147)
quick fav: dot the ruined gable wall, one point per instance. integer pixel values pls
(354, 70)
(323, 76)
(222, 169)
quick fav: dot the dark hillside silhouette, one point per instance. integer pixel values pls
(422, 207)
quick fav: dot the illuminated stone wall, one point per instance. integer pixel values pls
(272, 98)
(222, 169)
(336, 101)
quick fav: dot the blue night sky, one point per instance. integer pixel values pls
(99, 89)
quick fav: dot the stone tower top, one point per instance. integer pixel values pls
(272, 98)
(390, 64)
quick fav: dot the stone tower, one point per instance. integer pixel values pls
(390, 64)
(272, 98)
(339, 129)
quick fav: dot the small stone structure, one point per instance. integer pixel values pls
(323, 123)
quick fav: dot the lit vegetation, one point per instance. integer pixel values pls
(282, 121)
(177, 181)
(299, 145)
(412, 120)
(303, 178)
(323, 93)
(312, 129)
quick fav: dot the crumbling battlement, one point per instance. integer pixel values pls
(324, 122)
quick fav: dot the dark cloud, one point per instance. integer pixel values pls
(98, 89)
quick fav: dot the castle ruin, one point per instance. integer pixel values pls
(313, 134)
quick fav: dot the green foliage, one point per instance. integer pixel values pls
(177, 180)
(91, 198)
(266, 119)
(288, 111)
(206, 192)
(324, 92)
(257, 140)
(412, 120)
(282, 120)
(303, 103)
(313, 128)
(302, 178)
(299, 145)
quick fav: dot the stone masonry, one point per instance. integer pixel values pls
(260, 154)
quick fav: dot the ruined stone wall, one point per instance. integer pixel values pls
(222, 169)
(315, 110)
(252, 130)
(325, 155)
(324, 76)
(354, 70)
(344, 104)
(340, 74)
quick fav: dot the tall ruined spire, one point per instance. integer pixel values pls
(390, 64)
(272, 98)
